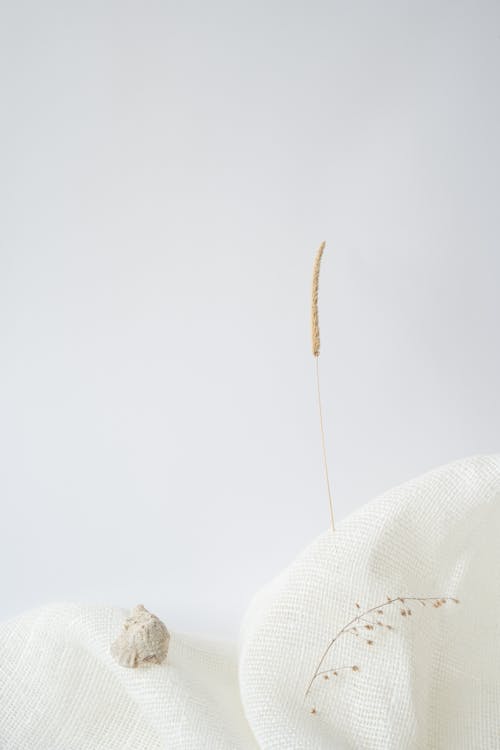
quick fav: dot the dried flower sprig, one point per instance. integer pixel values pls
(369, 620)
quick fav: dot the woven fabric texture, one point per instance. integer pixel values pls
(425, 679)
(60, 688)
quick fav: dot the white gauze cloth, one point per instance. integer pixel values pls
(428, 679)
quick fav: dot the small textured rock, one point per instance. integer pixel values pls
(143, 641)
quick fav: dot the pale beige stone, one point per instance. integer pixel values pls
(143, 641)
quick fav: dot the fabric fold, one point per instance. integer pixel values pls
(381, 636)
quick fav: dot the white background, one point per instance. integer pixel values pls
(168, 170)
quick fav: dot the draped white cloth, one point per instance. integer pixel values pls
(428, 679)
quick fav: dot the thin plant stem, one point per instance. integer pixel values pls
(323, 445)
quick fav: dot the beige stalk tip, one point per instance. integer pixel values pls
(314, 301)
(143, 641)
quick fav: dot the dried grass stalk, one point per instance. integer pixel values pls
(314, 301)
(315, 351)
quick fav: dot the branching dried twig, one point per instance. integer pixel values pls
(362, 622)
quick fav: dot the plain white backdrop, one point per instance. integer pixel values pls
(168, 170)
